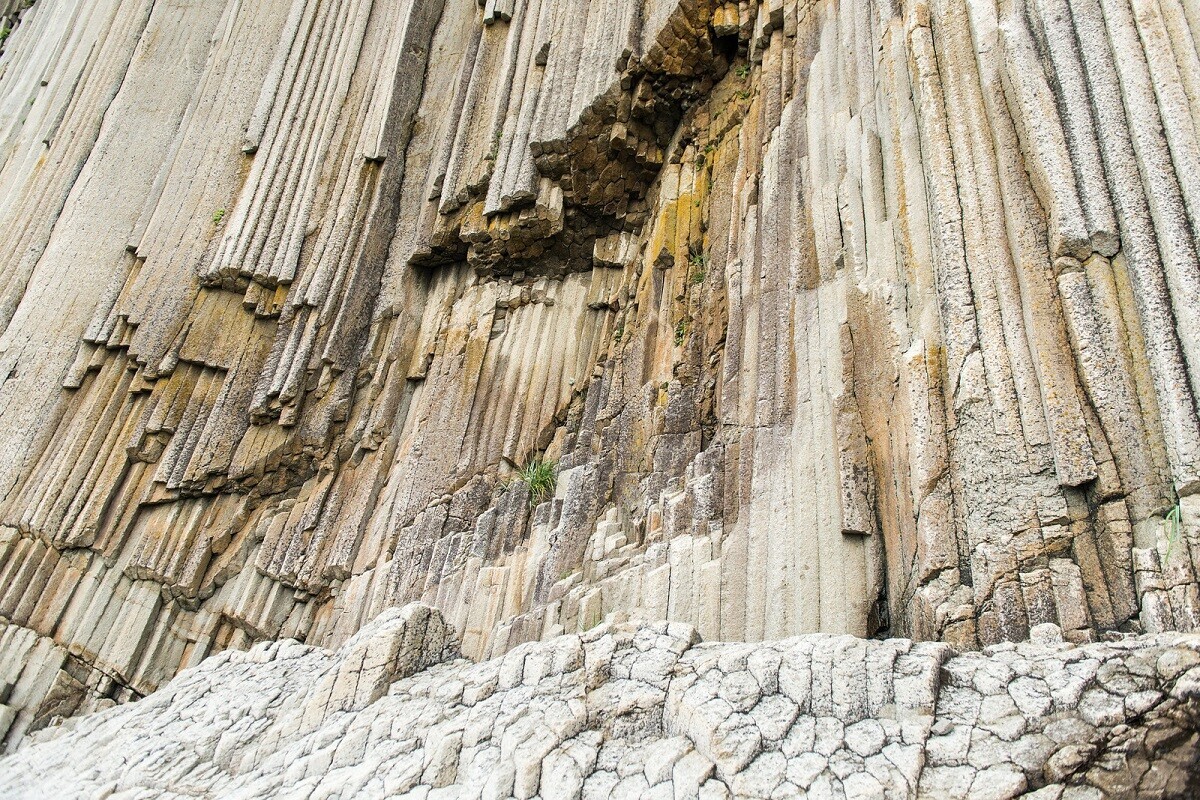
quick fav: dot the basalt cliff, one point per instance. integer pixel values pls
(626, 398)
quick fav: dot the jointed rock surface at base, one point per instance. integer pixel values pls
(642, 711)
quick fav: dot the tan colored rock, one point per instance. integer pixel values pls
(861, 318)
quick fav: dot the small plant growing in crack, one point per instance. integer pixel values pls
(742, 70)
(681, 329)
(698, 259)
(1171, 521)
(540, 476)
(218, 215)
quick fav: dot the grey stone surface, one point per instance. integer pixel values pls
(621, 712)
(877, 318)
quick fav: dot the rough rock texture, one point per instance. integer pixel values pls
(625, 711)
(876, 317)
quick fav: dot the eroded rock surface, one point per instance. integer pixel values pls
(631, 711)
(869, 317)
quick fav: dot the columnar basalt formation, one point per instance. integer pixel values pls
(877, 318)
(647, 711)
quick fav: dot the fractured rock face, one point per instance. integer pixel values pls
(643, 711)
(874, 318)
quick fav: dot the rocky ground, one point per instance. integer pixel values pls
(646, 710)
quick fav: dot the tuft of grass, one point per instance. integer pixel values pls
(744, 94)
(742, 70)
(218, 215)
(681, 329)
(540, 476)
(4, 32)
(1172, 523)
(698, 259)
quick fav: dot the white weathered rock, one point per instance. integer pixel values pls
(871, 318)
(269, 723)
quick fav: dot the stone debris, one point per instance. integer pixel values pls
(642, 710)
